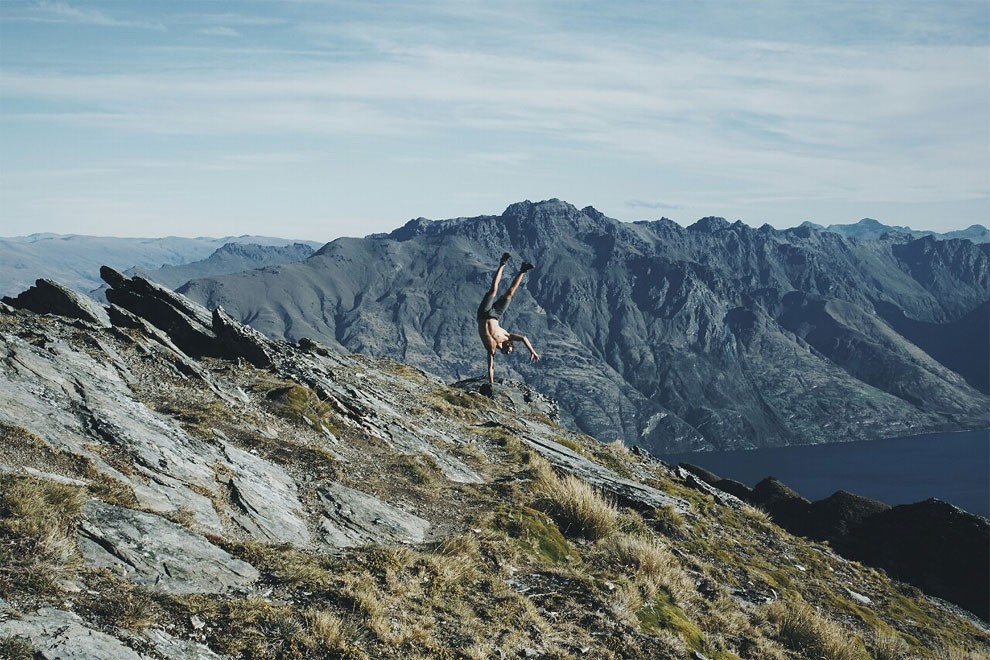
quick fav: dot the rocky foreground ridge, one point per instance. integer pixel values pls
(175, 485)
(717, 335)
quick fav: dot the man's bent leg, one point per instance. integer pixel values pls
(516, 281)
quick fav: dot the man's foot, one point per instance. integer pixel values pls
(526, 266)
(505, 258)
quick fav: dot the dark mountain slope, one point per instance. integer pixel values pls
(714, 335)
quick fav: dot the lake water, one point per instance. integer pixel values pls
(954, 467)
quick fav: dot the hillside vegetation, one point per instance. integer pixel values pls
(175, 485)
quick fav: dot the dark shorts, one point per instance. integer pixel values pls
(492, 309)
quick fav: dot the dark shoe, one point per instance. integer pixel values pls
(505, 258)
(526, 266)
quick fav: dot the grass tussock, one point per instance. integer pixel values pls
(650, 564)
(324, 633)
(120, 604)
(801, 628)
(38, 547)
(668, 520)
(302, 404)
(756, 513)
(296, 568)
(15, 648)
(886, 644)
(537, 536)
(577, 507)
(422, 470)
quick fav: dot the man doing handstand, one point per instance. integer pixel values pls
(494, 336)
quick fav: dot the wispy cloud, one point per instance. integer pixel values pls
(737, 106)
(655, 206)
(60, 11)
(219, 31)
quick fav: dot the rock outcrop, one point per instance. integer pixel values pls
(55, 633)
(353, 518)
(514, 395)
(932, 544)
(47, 296)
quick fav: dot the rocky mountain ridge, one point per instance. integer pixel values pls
(674, 339)
(173, 484)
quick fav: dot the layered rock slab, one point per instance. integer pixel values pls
(154, 552)
(354, 518)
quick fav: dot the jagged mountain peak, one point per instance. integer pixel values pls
(710, 224)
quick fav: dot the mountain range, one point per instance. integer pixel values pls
(75, 260)
(868, 228)
(717, 335)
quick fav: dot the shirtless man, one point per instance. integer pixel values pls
(494, 336)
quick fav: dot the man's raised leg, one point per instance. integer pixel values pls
(517, 280)
(497, 277)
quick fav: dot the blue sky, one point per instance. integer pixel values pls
(316, 119)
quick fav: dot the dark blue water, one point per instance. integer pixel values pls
(954, 467)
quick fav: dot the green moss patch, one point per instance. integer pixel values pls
(536, 534)
(660, 613)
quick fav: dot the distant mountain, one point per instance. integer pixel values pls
(870, 229)
(717, 335)
(229, 258)
(75, 260)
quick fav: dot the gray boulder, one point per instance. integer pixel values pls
(157, 553)
(241, 340)
(174, 648)
(630, 493)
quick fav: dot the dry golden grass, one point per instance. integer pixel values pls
(577, 508)
(15, 648)
(625, 602)
(668, 520)
(756, 513)
(888, 645)
(650, 564)
(324, 632)
(38, 547)
(801, 628)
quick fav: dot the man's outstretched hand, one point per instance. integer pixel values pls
(534, 356)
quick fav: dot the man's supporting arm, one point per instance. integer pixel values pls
(491, 366)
